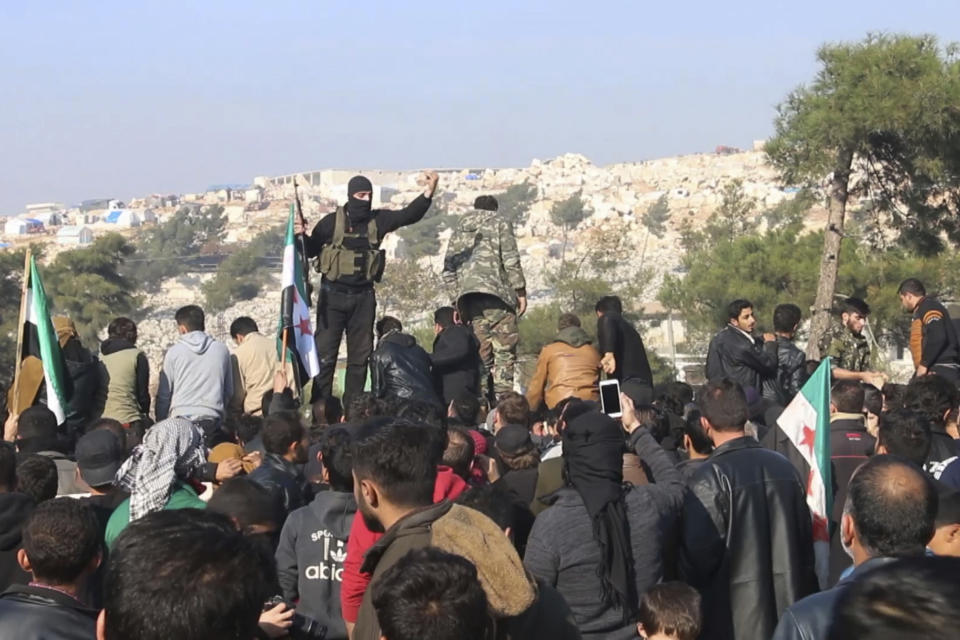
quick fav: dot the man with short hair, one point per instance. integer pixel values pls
(847, 347)
(15, 508)
(935, 398)
(946, 535)
(512, 409)
(37, 477)
(696, 443)
(347, 245)
(455, 357)
(217, 580)
(400, 368)
(38, 434)
(735, 353)
(196, 382)
(904, 433)
(567, 367)
(459, 453)
(483, 274)
(255, 364)
(431, 594)
(623, 356)
(670, 611)
(747, 536)
(61, 550)
(933, 337)
(889, 515)
(313, 543)
(790, 359)
(285, 441)
(125, 376)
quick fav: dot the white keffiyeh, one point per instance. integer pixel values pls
(170, 450)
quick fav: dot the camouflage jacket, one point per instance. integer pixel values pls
(482, 257)
(846, 350)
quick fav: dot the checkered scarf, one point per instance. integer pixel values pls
(170, 450)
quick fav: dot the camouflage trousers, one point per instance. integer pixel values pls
(495, 325)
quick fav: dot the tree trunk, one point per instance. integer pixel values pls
(830, 260)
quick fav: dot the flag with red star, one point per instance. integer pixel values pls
(806, 421)
(295, 313)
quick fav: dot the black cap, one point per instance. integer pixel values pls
(99, 456)
(514, 439)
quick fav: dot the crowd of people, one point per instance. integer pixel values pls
(442, 503)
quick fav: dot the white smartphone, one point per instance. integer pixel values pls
(610, 398)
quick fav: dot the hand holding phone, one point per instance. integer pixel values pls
(610, 398)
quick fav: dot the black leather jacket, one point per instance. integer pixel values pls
(734, 355)
(747, 540)
(37, 613)
(401, 368)
(281, 477)
(790, 373)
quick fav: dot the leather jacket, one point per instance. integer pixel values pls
(733, 354)
(281, 477)
(568, 366)
(790, 373)
(39, 613)
(747, 540)
(401, 368)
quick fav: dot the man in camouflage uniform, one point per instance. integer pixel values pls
(848, 348)
(482, 270)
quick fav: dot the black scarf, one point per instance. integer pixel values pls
(358, 210)
(593, 446)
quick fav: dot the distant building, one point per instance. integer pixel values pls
(80, 236)
(126, 218)
(22, 226)
(94, 204)
(47, 218)
(42, 208)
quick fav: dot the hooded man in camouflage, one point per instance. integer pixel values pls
(482, 270)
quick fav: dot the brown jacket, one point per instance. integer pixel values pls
(569, 366)
(520, 606)
(255, 362)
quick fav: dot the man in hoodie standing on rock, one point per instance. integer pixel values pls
(197, 378)
(482, 270)
(347, 243)
(567, 367)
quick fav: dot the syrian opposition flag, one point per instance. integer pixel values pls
(806, 421)
(295, 313)
(40, 340)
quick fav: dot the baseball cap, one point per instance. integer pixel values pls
(99, 456)
(514, 439)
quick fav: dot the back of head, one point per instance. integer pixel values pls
(37, 477)
(486, 203)
(326, 411)
(279, 432)
(247, 504)
(933, 397)
(609, 304)
(37, 430)
(248, 427)
(386, 324)
(8, 466)
(401, 459)
(503, 508)
(724, 405)
(699, 439)
(337, 458)
(912, 599)
(444, 317)
(567, 320)
(161, 554)
(735, 308)
(948, 507)
(114, 427)
(674, 396)
(122, 329)
(190, 318)
(855, 305)
(459, 452)
(872, 399)
(467, 408)
(363, 406)
(418, 411)
(513, 408)
(847, 396)
(243, 326)
(432, 594)
(672, 609)
(913, 287)
(62, 540)
(786, 317)
(893, 506)
(906, 434)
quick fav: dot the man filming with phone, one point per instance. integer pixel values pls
(623, 356)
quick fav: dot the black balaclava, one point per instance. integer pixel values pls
(593, 446)
(358, 210)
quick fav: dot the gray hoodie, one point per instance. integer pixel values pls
(197, 378)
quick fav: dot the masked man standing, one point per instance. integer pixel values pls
(347, 243)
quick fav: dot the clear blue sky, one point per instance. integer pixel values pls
(115, 99)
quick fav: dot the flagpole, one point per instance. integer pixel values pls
(283, 357)
(23, 320)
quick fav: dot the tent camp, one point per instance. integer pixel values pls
(75, 235)
(126, 218)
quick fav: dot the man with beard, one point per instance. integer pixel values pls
(286, 443)
(848, 348)
(735, 353)
(347, 243)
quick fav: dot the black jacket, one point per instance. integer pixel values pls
(734, 355)
(790, 373)
(38, 613)
(399, 367)
(850, 446)
(15, 508)
(943, 451)
(282, 478)
(83, 370)
(747, 540)
(810, 618)
(456, 362)
(617, 336)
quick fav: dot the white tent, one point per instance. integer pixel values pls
(75, 235)
(15, 227)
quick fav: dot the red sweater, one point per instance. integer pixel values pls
(354, 585)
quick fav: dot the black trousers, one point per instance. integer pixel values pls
(342, 311)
